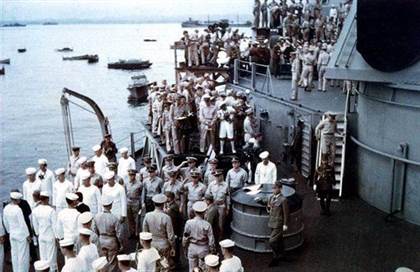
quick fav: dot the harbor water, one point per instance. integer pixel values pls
(30, 112)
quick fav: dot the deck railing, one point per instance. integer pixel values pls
(246, 74)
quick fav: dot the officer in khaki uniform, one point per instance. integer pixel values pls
(323, 59)
(134, 190)
(278, 210)
(198, 237)
(207, 118)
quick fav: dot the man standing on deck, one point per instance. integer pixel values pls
(73, 165)
(178, 116)
(207, 118)
(67, 224)
(30, 185)
(323, 59)
(15, 225)
(109, 229)
(95, 178)
(230, 262)
(264, 13)
(250, 126)
(72, 262)
(91, 193)
(325, 132)
(160, 225)
(295, 74)
(44, 220)
(100, 160)
(195, 191)
(83, 166)
(198, 237)
(109, 148)
(308, 68)
(116, 193)
(144, 173)
(46, 177)
(134, 190)
(88, 252)
(60, 188)
(237, 176)
(125, 163)
(256, 12)
(220, 192)
(266, 171)
(151, 186)
(278, 210)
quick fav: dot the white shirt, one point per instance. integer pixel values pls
(146, 260)
(44, 221)
(91, 197)
(88, 253)
(67, 224)
(47, 182)
(265, 173)
(28, 189)
(100, 164)
(76, 182)
(233, 264)
(60, 189)
(117, 193)
(73, 265)
(14, 222)
(124, 165)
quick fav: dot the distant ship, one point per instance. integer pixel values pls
(14, 25)
(197, 23)
(131, 64)
(50, 23)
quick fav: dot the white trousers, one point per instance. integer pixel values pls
(20, 255)
(48, 252)
(226, 130)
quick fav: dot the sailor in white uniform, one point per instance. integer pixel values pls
(99, 265)
(88, 252)
(83, 166)
(74, 165)
(60, 188)
(266, 171)
(230, 262)
(148, 256)
(30, 185)
(72, 262)
(15, 225)
(46, 177)
(67, 223)
(116, 192)
(125, 163)
(44, 220)
(101, 161)
(124, 263)
(91, 193)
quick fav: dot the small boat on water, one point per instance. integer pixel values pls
(138, 88)
(131, 64)
(21, 50)
(5, 61)
(149, 40)
(64, 49)
(2, 71)
(89, 58)
(14, 25)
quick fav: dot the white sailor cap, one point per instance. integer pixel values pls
(60, 171)
(85, 174)
(145, 236)
(82, 160)
(72, 196)
(99, 263)
(123, 257)
(106, 200)
(30, 171)
(16, 195)
(85, 231)
(42, 161)
(41, 265)
(206, 96)
(211, 260)
(123, 150)
(251, 140)
(247, 91)
(199, 206)
(45, 194)
(96, 148)
(109, 175)
(264, 155)
(159, 198)
(66, 242)
(85, 217)
(227, 243)
(404, 269)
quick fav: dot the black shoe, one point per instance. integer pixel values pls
(274, 262)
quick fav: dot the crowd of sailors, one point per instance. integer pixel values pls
(302, 40)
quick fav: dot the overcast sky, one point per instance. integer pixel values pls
(139, 10)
